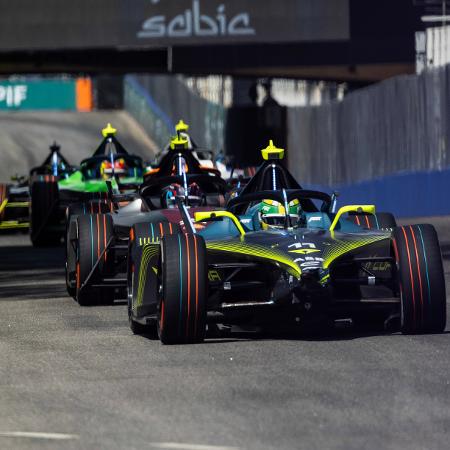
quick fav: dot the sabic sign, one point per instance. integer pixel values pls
(192, 22)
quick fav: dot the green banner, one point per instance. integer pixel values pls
(38, 94)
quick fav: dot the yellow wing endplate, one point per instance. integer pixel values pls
(271, 152)
(204, 216)
(367, 209)
(108, 131)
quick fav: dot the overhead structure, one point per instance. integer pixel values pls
(326, 39)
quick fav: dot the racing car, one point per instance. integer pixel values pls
(15, 197)
(51, 195)
(280, 256)
(203, 156)
(98, 231)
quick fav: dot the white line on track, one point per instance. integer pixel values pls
(181, 446)
(37, 435)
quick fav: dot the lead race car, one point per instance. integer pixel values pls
(98, 233)
(51, 195)
(250, 265)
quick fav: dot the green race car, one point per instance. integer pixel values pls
(52, 194)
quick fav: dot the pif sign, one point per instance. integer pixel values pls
(12, 96)
(38, 94)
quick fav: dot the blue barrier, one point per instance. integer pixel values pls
(404, 194)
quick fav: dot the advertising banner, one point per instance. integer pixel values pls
(52, 24)
(39, 94)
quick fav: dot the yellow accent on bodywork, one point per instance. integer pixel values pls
(340, 247)
(18, 205)
(256, 251)
(149, 251)
(272, 152)
(368, 209)
(211, 215)
(3, 205)
(11, 224)
(179, 142)
(109, 131)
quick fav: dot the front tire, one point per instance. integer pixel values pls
(421, 279)
(183, 277)
(142, 234)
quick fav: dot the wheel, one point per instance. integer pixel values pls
(142, 234)
(379, 221)
(183, 277)
(95, 232)
(44, 205)
(72, 212)
(71, 258)
(103, 206)
(421, 279)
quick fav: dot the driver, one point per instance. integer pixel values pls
(272, 214)
(120, 168)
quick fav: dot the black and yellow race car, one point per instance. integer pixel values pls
(15, 196)
(281, 257)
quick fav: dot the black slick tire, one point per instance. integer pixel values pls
(420, 277)
(182, 311)
(95, 232)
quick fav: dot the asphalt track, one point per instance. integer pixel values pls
(25, 137)
(73, 377)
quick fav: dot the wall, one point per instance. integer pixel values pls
(158, 102)
(367, 142)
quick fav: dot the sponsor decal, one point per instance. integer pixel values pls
(213, 275)
(13, 95)
(193, 23)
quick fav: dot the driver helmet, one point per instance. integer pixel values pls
(120, 168)
(170, 193)
(273, 214)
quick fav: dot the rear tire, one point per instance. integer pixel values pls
(94, 233)
(44, 208)
(421, 279)
(183, 278)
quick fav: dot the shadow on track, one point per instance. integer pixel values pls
(28, 273)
